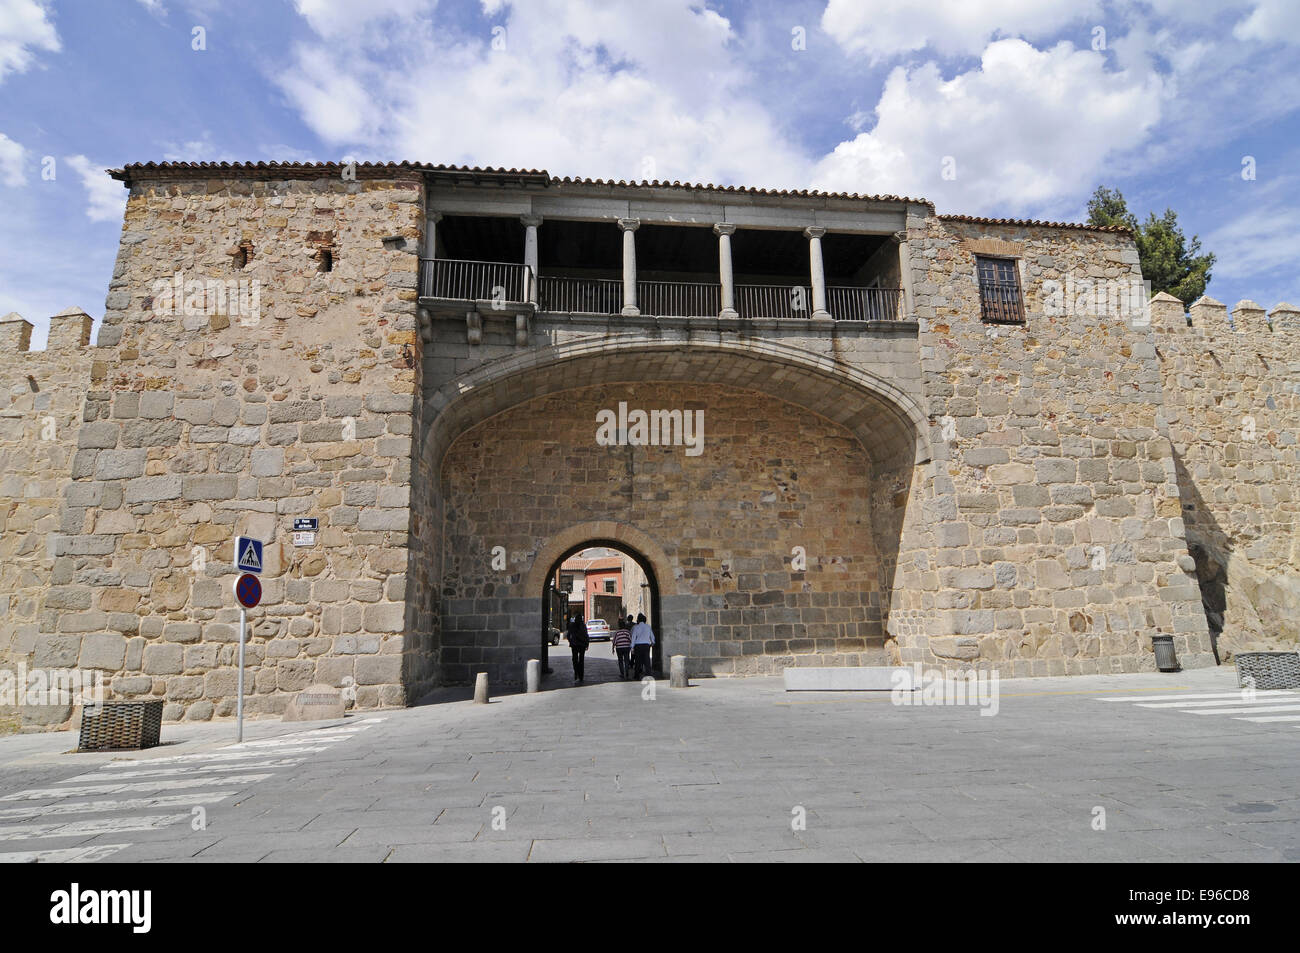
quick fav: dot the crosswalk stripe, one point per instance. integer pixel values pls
(164, 772)
(1276, 693)
(62, 855)
(1272, 718)
(1243, 711)
(90, 828)
(103, 807)
(1239, 700)
(213, 756)
(166, 785)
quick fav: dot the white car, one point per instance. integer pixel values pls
(598, 630)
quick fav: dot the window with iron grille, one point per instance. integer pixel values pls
(1001, 300)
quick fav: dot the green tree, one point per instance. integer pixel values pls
(1168, 260)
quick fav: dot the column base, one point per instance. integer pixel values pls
(822, 316)
(631, 311)
(728, 313)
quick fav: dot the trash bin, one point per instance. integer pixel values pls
(1166, 658)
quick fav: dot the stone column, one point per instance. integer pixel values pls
(431, 235)
(1286, 319)
(530, 251)
(70, 329)
(1249, 318)
(1166, 313)
(15, 332)
(629, 226)
(724, 231)
(814, 235)
(1210, 316)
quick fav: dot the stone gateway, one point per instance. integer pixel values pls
(869, 434)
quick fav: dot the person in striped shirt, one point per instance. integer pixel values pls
(623, 646)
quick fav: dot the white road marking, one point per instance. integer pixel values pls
(1272, 693)
(1273, 718)
(1245, 711)
(90, 828)
(103, 807)
(1257, 700)
(215, 756)
(166, 785)
(62, 855)
(164, 772)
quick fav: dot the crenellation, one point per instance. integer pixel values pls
(15, 333)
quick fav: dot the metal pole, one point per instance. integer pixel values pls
(239, 705)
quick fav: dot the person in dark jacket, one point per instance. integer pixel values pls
(623, 646)
(578, 642)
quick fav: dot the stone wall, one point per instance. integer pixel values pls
(204, 420)
(1232, 398)
(1053, 542)
(41, 394)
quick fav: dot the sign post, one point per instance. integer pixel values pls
(248, 592)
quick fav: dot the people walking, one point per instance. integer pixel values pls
(578, 642)
(643, 639)
(623, 646)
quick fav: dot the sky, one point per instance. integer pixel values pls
(1007, 108)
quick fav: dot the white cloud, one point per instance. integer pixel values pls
(1262, 238)
(1024, 130)
(340, 18)
(106, 198)
(883, 31)
(12, 160)
(619, 89)
(1272, 21)
(24, 28)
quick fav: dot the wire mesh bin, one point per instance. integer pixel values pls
(118, 725)
(1269, 669)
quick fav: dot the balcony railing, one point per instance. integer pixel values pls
(684, 299)
(475, 280)
(864, 304)
(581, 295)
(773, 301)
(1002, 302)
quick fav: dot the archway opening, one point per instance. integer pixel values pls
(601, 581)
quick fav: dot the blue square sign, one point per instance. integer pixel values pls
(248, 554)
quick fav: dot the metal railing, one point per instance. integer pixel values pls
(1002, 302)
(475, 280)
(582, 295)
(684, 299)
(773, 301)
(864, 304)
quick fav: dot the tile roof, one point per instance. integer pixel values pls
(541, 177)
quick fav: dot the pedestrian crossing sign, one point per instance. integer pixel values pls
(248, 554)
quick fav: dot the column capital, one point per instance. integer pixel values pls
(899, 236)
(532, 221)
(434, 216)
(814, 231)
(629, 224)
(724, 228)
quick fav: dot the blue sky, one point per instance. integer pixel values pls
(993, 107)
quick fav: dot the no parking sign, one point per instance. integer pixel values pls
(248, 590)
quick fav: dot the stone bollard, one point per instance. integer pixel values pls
(480, 689)
(677, 672)
(534, 676)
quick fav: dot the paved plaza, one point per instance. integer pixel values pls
(1179, 767)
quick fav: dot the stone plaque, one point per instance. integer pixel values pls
(316, 703)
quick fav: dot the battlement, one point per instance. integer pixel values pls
(69, 331)
(1279, 328)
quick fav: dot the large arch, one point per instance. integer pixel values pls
(886, 417)
(884, 420)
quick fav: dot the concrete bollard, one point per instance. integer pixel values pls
(677, 672)
(480, 689)
(534, 676)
